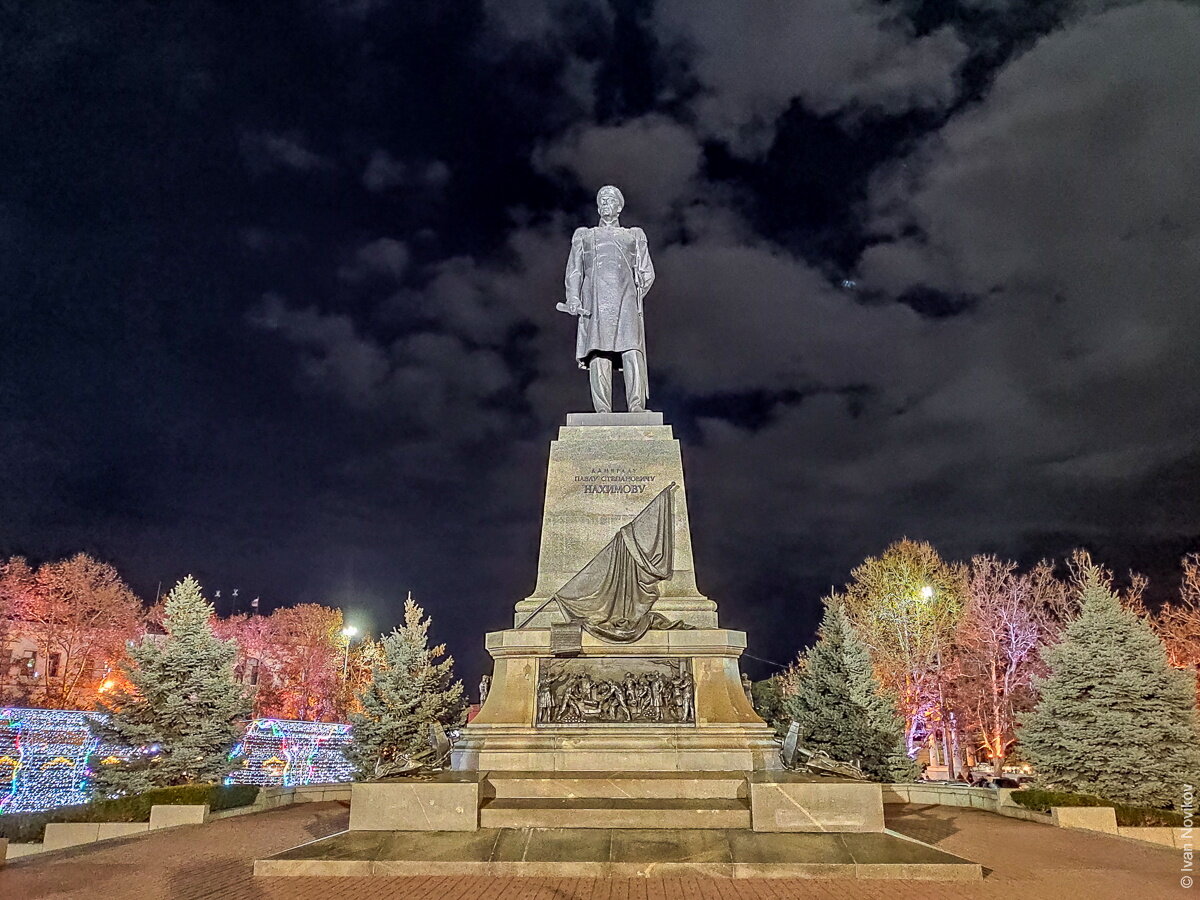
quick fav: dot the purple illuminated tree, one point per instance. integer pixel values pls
(1007, 620)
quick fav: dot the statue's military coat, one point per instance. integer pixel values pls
(608, 273)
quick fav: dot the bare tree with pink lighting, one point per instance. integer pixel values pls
(1007, 619)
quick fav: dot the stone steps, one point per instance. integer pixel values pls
(600, 812)
(627, 785)
(620, 853)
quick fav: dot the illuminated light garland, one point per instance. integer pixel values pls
(288, 753)
(47, 752)
(47, 755)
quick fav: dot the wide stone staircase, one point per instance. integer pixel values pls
(597, 824)
(614, 800)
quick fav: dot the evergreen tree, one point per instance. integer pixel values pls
(183, 709)
(768, 702)
(883, 716)
(840, 706)
(409, 690)
(1114, 719)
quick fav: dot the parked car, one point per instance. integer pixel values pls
(996, 781)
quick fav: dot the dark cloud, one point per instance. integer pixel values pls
(382, 256)
(280, 286)
(1066, 211)
(753, 61)
(384, 171)
(265, 152)
(656, 159)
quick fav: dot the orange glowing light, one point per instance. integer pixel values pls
(275, 765)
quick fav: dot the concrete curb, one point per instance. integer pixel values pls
(1099, 819)
(61, 835)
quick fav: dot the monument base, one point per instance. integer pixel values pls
(620, 825)
(620, 853)
(766, 801)
(641, 748)
(598, 758)
(603, 470)
(519, 727)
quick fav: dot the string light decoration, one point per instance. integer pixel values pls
(47, 756)
(287, 753)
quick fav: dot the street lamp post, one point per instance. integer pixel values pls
(348, 634)
(927, 595)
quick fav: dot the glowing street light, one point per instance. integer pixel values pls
(348, 633)
(927, 595)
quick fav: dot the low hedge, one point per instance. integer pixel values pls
(29, 828)
(1127, 816)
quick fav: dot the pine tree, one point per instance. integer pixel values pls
(768, 702)
(182, 709)
(409, 690)
(883, 715)
(1114, 719)
(840, 706)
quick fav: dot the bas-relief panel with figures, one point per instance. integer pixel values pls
(615, 691)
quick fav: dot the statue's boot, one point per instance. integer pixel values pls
(637, 385)
(600, 378)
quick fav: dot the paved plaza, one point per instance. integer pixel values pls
(1022, 860)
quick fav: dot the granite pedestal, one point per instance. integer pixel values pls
(604, 469)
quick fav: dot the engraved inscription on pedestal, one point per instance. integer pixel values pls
(566, 639)
(615, 691)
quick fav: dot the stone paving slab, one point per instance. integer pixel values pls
(622, 853)
(1022, 861)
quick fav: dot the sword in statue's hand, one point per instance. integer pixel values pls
(573, 310)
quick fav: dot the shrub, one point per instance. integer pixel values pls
(26, 828)
(1146, 817)
(1127, 816)
(1041, 801)
(230, 796)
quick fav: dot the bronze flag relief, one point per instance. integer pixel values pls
(613, 595)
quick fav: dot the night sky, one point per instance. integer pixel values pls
(277, 284)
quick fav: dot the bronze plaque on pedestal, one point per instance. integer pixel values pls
(566, 639)
(615, 691)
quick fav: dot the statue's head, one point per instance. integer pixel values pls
(609, 201)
